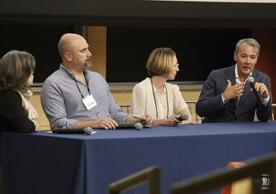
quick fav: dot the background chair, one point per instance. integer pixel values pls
(126, 108)
(192, 106)
(244, 186)
(225, 176)
(273, 109)
(150, 175)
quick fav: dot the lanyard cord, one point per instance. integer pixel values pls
(155, 103)
(87, 85)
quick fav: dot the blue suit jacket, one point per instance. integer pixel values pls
(211, 107)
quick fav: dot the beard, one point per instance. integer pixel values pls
(86, 65)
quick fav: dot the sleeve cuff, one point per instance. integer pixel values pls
(223, 99)
(265, 100)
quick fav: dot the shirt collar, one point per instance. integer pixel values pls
(69, 72)
(237, 75)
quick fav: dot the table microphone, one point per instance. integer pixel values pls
(86, 130)
(138, 126)
(182, 117)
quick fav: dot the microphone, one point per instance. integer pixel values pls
(182, 117)
(86, 130)
(251, 81)
(139, 126)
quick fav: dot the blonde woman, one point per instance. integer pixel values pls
(155, 97)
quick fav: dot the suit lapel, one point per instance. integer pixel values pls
(246, 98)
(247, 91)
(230, 75)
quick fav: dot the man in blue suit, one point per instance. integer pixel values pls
(228, 96)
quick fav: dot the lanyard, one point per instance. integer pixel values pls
(155, 103)
(87, 84)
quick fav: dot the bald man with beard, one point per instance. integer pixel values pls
(75, 97)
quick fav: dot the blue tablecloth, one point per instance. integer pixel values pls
(43, 163)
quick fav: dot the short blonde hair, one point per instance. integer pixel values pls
(15, 69)
(160, 61)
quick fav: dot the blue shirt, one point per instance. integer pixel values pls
(62, 100)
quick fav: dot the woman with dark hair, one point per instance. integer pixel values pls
(16, 76)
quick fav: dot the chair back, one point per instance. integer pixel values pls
(244, 186)
(150, 175)
(273, 109)
(225, 176)
(192, 105)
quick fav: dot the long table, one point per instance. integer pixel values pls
(43, 163)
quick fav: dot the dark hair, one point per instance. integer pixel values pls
(160, 61)
(15, 69)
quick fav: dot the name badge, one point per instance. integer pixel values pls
(89, 102)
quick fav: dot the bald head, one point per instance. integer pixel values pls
(67, 42)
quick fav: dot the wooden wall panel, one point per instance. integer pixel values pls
(96, 38)
(267, 60)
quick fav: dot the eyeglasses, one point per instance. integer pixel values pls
(176, 65)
